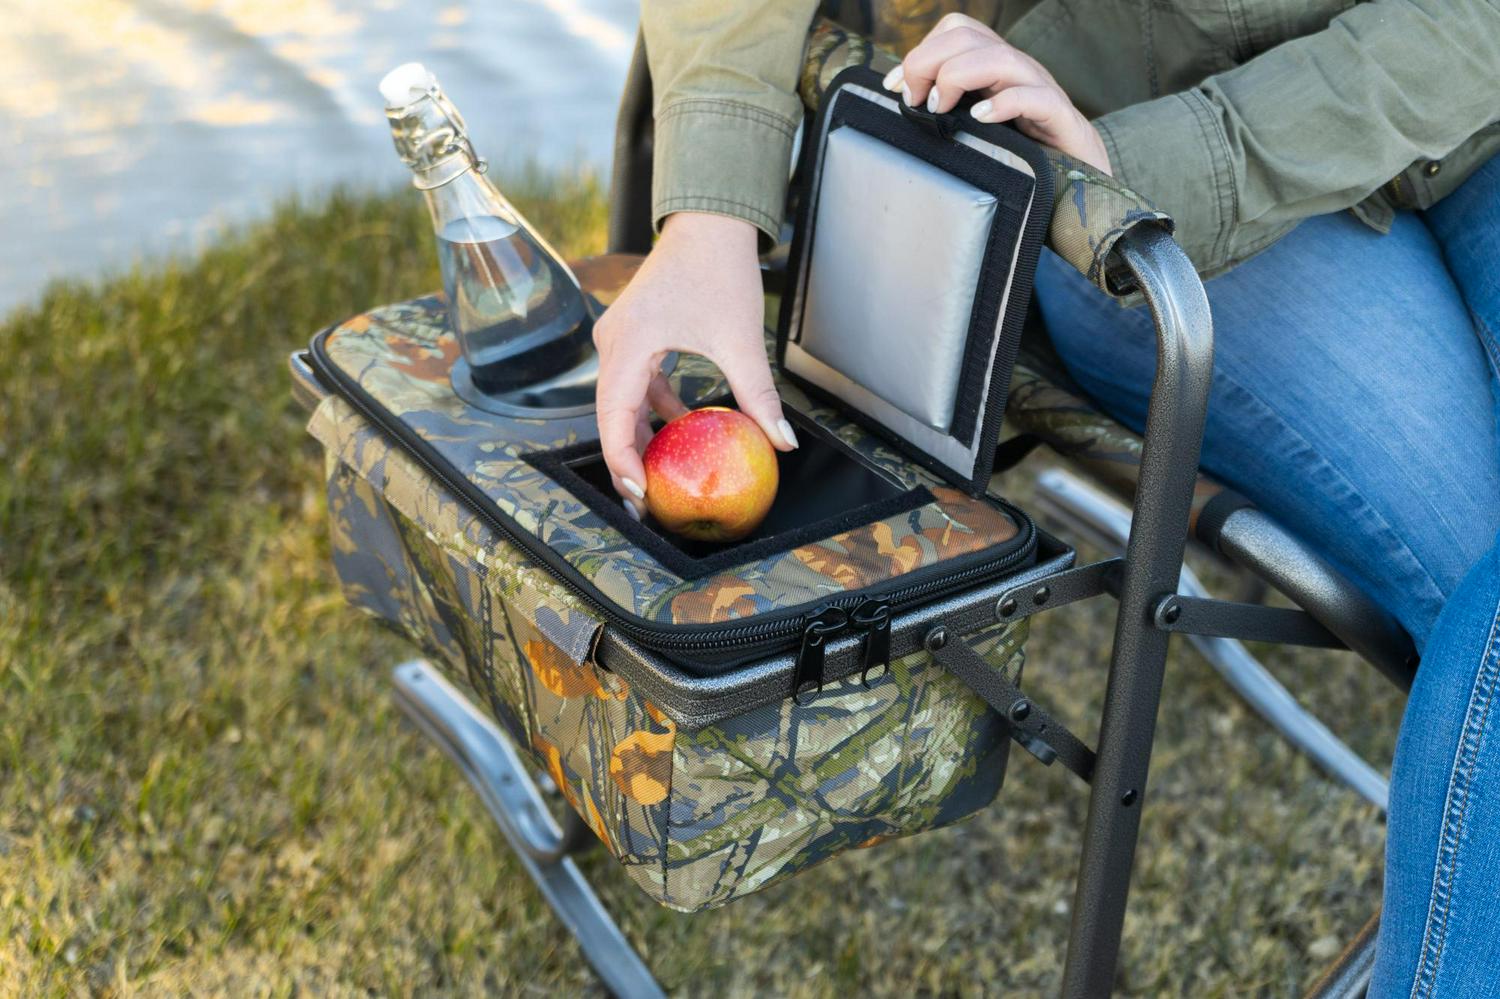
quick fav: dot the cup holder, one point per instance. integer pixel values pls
(560, 397)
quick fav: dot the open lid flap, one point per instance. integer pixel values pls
(916, 239)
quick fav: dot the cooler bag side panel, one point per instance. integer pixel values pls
(958, 750)
(495, 621)
(608, 750)
(779, 789)
(372, 563)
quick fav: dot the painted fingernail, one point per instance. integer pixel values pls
(787, 434)
(635, 514)
(633, 489)
(906, 96)
(981, 109)
(893, 78)
(932, 101)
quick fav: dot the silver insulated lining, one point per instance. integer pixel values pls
(889, 282)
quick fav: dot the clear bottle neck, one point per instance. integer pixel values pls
(432, 140)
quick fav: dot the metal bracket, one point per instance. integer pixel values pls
(1039, 733)
(1247, 622)
(1060, 589)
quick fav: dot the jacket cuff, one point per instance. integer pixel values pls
(745, 178)
(1173, 150)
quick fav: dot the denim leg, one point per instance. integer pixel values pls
(1440, 925)
(1466, 225)
(1440, 933)
(1350, 399)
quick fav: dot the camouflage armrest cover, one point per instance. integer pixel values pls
(1091, 210)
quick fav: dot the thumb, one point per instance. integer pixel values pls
(749, 376)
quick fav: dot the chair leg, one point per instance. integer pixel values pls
(1153, 558)
(492, 765)
(1349, 976)
(1109, 520)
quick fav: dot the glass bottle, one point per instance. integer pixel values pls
(517, 311)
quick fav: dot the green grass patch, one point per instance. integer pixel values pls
(204, 788)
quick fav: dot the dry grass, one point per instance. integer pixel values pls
(204, 789)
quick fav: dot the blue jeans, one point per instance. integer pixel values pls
(1355, 400)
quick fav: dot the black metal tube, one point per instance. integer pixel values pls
(1255, 541)
(1153, 558)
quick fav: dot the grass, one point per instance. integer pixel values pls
(204, 788)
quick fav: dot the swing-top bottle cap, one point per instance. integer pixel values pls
(406, 83)
(427, 129)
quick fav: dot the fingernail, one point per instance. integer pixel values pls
(932, 100)
(906, 96)
(633, 489)
(787, 434)
(893, 78)
(635, 514)
(981, 109)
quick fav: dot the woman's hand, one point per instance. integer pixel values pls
(698, 292)
(961, 55)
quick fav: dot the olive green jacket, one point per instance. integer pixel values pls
(1238, 118)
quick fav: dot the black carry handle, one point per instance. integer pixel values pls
(943, 125)
(1039, 733)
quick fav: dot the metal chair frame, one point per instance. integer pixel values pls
(1157, 596)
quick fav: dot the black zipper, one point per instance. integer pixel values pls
(773, 632)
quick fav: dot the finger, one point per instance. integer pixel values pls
(1044, 113)
(622, 389)
(663, 398)
(749, 376)
(920, 67)
(985, 70)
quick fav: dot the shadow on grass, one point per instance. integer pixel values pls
(203, 787)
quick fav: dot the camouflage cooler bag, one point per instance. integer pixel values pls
(722, 717)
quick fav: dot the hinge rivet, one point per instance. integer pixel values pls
(1041, 596)
(1020, 711)
(1006, 607)
(1172, 613)
(936, 639)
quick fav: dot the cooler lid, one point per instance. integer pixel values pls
(916, 238)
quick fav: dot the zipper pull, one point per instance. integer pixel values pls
(821, 625)
(874, 618)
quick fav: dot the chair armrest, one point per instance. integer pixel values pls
(1091, 210)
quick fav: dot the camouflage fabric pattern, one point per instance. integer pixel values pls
(1090, 209)
(899, 25)
(402, 356)
(1073, 427)
(697, 818)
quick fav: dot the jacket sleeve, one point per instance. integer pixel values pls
(724, 76)
(1313, 125)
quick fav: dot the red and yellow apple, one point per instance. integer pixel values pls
(711, 475)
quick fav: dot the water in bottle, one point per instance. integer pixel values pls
(509, 304)
(517, 311)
